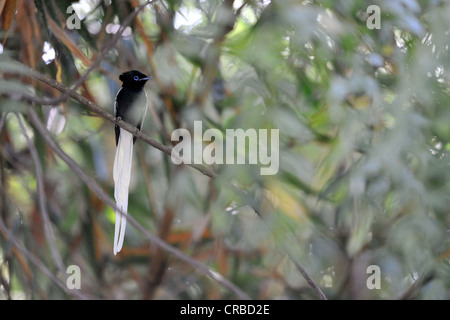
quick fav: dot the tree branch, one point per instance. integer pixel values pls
(92, 184)
(48, 230)
(17, 67)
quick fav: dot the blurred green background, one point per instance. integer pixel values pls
(364, 124)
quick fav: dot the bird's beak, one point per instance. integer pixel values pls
(146, 78)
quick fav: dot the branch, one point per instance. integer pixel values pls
(10, 65)
(48, 230)
(92, 184)
(17, 67)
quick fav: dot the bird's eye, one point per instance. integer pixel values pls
(136, 78)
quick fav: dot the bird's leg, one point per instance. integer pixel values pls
(118, 118)
(135, 133)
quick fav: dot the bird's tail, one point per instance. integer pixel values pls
(122, 174)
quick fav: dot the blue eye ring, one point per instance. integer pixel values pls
(136, 78)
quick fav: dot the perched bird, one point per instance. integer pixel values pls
(130, 106)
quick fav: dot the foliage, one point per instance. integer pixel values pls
(363, 116)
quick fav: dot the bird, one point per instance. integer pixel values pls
(130, 105)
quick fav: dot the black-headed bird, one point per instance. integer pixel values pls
(130, 106)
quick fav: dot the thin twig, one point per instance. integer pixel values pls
(306, 275)
(48, 230)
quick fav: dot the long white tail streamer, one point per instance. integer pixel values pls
(122, 174)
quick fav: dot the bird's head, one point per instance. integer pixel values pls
(133, 79)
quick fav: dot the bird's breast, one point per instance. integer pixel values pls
(131, 104)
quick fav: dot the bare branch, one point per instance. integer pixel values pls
(48, 230)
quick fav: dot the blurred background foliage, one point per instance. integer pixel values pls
(364, 124)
